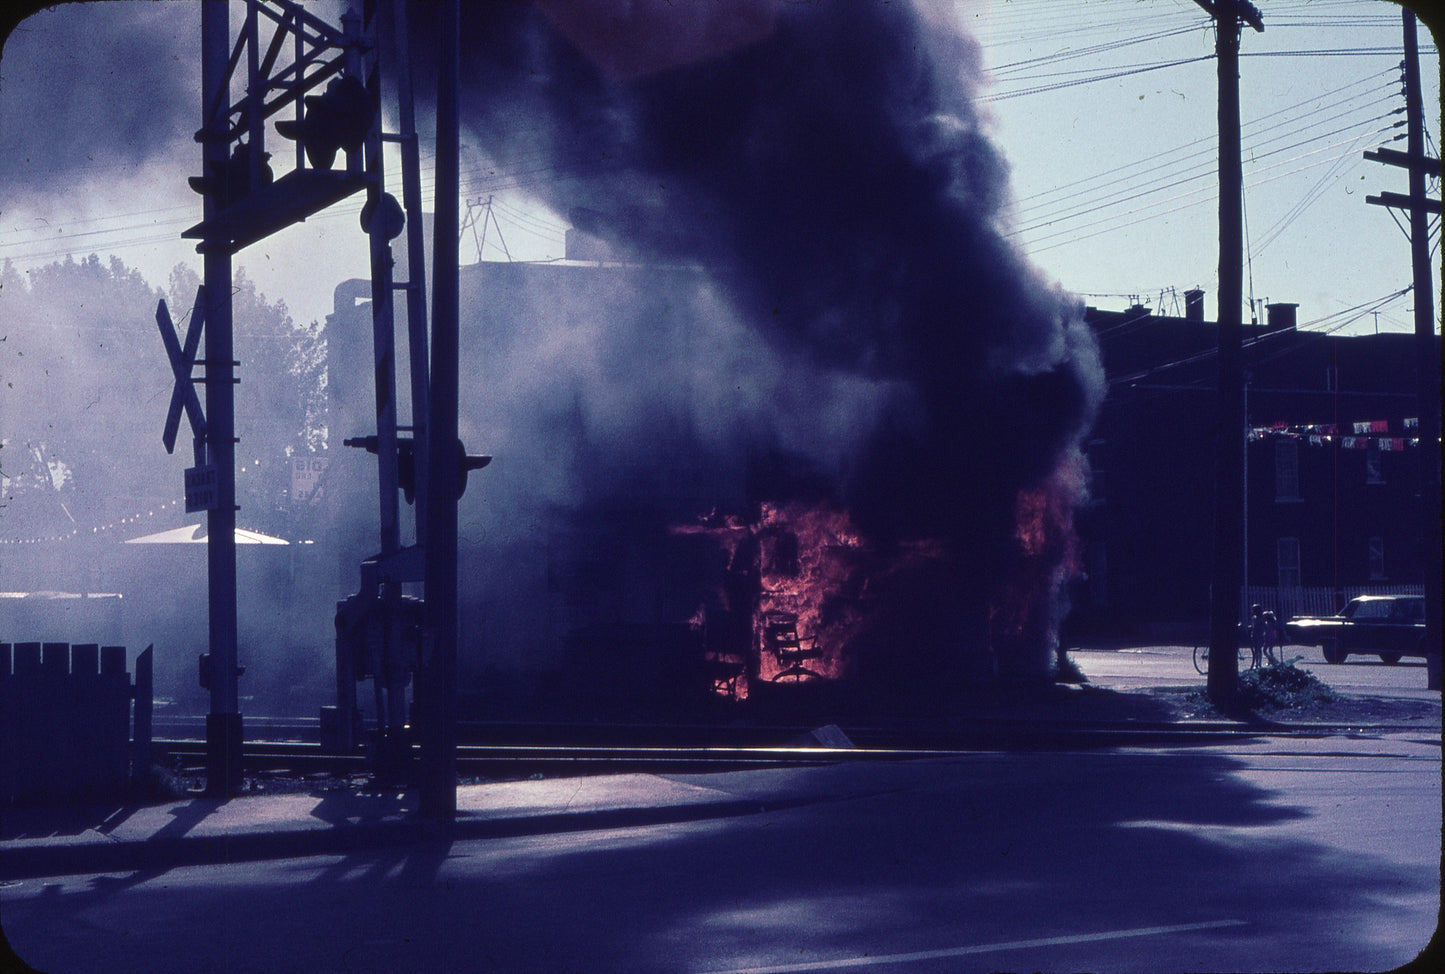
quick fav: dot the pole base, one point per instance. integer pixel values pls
(223, 755)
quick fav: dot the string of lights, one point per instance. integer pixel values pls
(99, 530)
(103, 530)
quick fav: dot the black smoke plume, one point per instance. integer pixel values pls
(829, 165)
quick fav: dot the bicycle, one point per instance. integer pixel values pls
(1201, 658)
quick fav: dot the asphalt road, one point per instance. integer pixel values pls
(1144, 667)
(1265, 854)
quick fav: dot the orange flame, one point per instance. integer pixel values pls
(1024, 604)
(805, 560)
(809, 567)
(810, 562)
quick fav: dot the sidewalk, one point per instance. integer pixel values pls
(196, 831)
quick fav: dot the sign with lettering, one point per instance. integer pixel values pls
(201, 493)
(307, 476)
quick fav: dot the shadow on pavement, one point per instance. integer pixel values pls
(61, 820)
(979, 849)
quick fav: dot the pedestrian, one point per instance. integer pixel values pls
(1256, 634)
(1271, 636)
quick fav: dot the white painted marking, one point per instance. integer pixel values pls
(944, 953)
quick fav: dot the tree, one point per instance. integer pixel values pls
(77, 386)
(280, 403)
(85, 384)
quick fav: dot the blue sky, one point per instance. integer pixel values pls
(1105, 110)
(1115, 179)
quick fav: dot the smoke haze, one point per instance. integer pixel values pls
(828, 168)
(847, 320)
(100, 100)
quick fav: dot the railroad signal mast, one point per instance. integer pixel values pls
(291, 74)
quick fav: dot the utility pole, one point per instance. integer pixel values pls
(1229, 487)
(223, 723)
(400, 51)
(1427, 359)
(437, 796)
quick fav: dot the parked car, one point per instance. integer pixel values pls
(1391, 626)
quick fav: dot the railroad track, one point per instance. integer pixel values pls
(510, 761)
(553, 750)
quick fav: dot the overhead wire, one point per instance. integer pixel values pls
(120, 235)
(1204, 149)
(1055, 19)
(1092, 196)
(1204, 193)
(1045, 23)
(1092, 79)
(1203, 175)
(1327, 52)
(1311, 196)
(1093, 201)
(1069, 54)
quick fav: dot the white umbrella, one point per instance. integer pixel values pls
(196, 534)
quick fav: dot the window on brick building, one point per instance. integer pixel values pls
(1286, 470)
(1377, 558)
(1287, 559)
(1373, 474)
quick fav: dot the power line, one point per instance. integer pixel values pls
(1090, 51)
(1205, 192)
(1181, 171)
(1107, 76)
(1203, 147)
(1326, 52)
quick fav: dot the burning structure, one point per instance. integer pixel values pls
(816, 416)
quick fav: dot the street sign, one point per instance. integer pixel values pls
(201, 484)
(307, 475)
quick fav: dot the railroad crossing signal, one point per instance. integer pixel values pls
(337, 119)
(406, 462)
(232, 182)
(248, 202)
(183, 361)
(244, 203)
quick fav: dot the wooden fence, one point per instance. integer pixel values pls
(65, 722)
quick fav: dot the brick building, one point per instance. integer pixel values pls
(1332, 466)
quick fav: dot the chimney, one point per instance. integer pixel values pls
(1280, 317)
(1194, 304)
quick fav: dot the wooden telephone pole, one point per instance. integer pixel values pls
(1420, 207)
(1228, 577)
